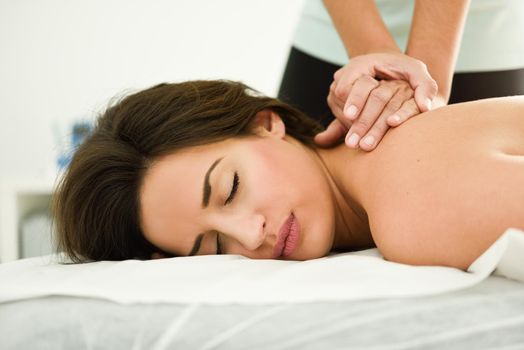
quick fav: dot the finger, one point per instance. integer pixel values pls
(340, 87)
(375, 105)
(358, 96)
(337, 102)
(334, 132)
(395, 105)
(370, 141)
(404, 93)
(338, 74)
(336, 107)
(407, 110)
(347, 76)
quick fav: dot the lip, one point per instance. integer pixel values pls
(287, 238)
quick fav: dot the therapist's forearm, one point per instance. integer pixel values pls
(360, 26)
(435, 36)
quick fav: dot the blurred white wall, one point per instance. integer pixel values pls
(62, 60)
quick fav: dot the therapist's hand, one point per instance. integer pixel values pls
(387, 104)
(356, 95)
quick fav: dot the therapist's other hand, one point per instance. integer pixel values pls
(388, 66)
(387, 103)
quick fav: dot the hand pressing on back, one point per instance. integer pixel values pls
(373, 93)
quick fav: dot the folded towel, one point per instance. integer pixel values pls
(225, 279)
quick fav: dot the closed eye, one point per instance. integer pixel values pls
(234, 188)
(219, 246)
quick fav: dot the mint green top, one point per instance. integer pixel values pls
(493, 36)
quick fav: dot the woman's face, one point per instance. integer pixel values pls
(264, 196)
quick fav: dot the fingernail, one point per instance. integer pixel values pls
(394, 118)
(352, 140)
(369, 140)
(351, 111)
(428, 104)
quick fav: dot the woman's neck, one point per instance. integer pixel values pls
(351, 222)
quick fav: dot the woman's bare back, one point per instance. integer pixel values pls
(442, 188)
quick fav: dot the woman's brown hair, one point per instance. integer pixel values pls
(96, 204)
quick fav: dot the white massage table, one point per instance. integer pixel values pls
(179, 303)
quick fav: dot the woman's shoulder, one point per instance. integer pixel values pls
(432, 180)
(431, 150)
(447, 132)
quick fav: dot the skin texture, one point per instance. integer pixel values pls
(438, 191)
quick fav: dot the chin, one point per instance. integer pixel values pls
(308, 256)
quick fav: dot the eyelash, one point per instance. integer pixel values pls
(236, 182)
(219, 246)
(234, 189)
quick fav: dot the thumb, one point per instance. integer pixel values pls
(425, 87)
(333, 133)
(424, 94)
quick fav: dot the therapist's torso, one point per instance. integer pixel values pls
(492, 39)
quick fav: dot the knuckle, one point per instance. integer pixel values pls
(404, 85)
(380, 95)
(341, 91)
(358, 99)
(389, 84)
(377, 134)
(365, 78)
(329, 100)
(394, 105)
(332, 104)
(409, 108)
(378, 129)
(368, 80)
(362, 125)
(339, 72)
(406, 90)
(374, 82)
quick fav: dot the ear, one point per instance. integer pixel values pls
(268, 123)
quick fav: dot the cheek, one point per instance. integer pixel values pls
(292, 180)
(269, 169)
(289, 173)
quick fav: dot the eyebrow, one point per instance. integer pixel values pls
(205, 203)
(207, 186)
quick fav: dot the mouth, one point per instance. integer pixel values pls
(287, 238)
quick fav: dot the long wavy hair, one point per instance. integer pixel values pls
(96, 203)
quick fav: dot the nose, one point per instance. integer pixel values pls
(246, 228)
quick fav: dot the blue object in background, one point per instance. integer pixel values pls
(80, 131)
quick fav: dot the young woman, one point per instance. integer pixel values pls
(210, 167)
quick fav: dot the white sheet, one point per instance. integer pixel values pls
(236, 279)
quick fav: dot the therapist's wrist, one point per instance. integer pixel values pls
(373, 50)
